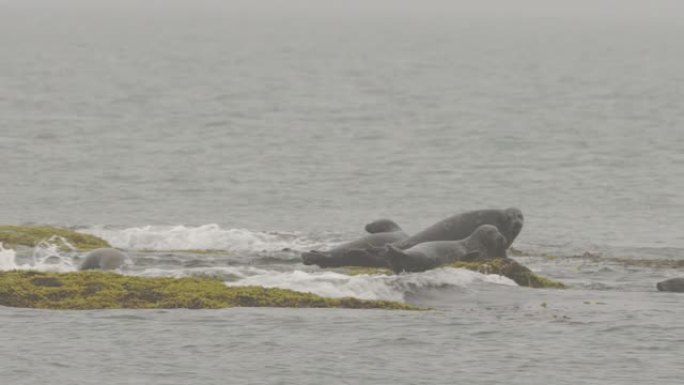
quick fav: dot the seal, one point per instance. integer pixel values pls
(486, 242)
(103, 259)
(672, 284)
(361, 251)
(382, 226)
(509, 222)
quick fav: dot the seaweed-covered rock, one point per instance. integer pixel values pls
(508, 267)
(102, 290)
(30, 236)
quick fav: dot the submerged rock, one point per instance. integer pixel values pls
(12, 236)
(103, 290)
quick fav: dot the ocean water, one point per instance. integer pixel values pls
(222, 138)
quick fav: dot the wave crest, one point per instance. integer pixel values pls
(383, 287)
(204, 237)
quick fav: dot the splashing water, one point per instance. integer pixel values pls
(46, 256)
(7, 259)
(386, 287)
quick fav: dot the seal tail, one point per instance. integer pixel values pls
(396, 258)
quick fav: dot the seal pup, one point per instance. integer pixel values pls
(104, 259)
(509, 222)
(359, 252)
(672, 284)
(486, 242)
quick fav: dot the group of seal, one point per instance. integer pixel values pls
(486, 242)
(478, 234)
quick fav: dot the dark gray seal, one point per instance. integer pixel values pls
(486, 242)
(359, 252)
(103, 259)
(382, 226)
(672, 284)
(509, 222)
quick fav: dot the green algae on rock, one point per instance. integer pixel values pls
(30, 236)
(508, 267)
(101, 290)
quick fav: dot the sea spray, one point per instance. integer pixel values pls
(46, 256)
(7, 258)
(225, 273)
(386, 287)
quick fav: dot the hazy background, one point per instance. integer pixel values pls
(310, 115)
(260, 129)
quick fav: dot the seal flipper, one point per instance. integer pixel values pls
(396, 258)
(314, 257)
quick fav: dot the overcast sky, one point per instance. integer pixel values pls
(611, 9)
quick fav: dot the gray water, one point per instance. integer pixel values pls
(289, 125)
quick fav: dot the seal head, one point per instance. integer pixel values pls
(513, 224)
(672, 284)
(493, 243)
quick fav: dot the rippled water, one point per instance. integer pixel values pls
(253, 132)
(520, 337)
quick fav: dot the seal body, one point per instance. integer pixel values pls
(509, 222)
(486, 242)
(672, 284)
(103, 259)
(362, 251)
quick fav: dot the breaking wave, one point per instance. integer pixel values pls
(385, 287)
(44, 257)
(205, 237)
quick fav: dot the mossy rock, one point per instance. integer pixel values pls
(12, 236)
(511, 269)
(102, 290)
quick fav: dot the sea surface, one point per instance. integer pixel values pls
(222, 138)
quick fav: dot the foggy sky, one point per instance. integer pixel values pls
(604, 9)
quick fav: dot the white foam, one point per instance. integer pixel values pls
(46, 256)
(205, 237)
(7, 259)
(235, 272)
(386, 287)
